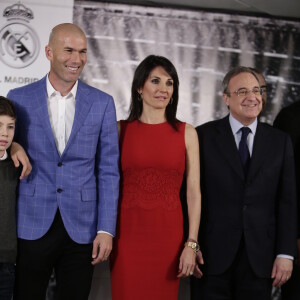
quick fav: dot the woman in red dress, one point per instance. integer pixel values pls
(150, 254)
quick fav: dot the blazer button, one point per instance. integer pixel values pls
(59, 164)
(59, 190)
(244, 207)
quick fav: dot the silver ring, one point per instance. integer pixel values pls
(191, 273)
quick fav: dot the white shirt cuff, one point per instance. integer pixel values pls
(102, 231)
(285, 256)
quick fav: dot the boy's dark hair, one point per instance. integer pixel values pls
(7, 108)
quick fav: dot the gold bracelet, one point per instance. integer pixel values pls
(192, 240)
(193, 245)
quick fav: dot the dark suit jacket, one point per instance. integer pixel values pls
(261, 207)
(289, 121)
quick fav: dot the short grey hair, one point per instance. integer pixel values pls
(233, 72)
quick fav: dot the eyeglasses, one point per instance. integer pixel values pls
(244, 92)
(263, 89)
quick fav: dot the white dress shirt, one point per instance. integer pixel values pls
(236, 130)
(4, 157)
(61, 111)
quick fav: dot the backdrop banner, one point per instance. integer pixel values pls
(24, 33)
(203, 47)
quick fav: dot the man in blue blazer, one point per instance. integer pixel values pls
(67, 207)
(249, 225)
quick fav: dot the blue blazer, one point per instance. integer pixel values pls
(83, 183)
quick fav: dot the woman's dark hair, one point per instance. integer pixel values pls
(141, 74)
(7, 108)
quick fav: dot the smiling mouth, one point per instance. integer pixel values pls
(73, 69)
(250, 105)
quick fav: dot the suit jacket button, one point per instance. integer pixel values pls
(244, 207)
(59, 164)
(59, 190)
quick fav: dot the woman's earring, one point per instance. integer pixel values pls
(171, 101)
(140, 98)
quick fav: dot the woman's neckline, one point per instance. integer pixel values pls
(144, 123)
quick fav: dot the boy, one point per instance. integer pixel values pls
(8, 184)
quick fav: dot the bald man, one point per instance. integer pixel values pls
(67, 207)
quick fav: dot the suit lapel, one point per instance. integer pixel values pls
(261, 145)
(227, 147)
(40, 102)
(82, 108)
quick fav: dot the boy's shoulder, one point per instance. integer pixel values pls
(8, 171)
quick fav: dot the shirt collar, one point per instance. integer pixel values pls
(51, 90)
(236, 125)
(4, 157)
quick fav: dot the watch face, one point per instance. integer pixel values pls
(194, 246)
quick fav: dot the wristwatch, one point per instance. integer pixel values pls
(193, 245)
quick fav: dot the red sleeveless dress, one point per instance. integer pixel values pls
(149, 241)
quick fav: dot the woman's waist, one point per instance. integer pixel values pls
(151, 181)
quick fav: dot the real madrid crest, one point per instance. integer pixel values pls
(19, 43)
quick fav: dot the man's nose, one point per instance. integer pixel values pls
(75, 56)
(251, 95)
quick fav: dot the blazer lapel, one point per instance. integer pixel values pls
(82, 108)
(227, 147)
(40, 102)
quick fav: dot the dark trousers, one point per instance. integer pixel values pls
(7, 279)
(37, 258)
(291, 289)
(239, 282)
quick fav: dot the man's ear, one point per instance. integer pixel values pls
(226, 99)
(48, 52)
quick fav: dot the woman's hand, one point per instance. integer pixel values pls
(18, 156)
(187, 262)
